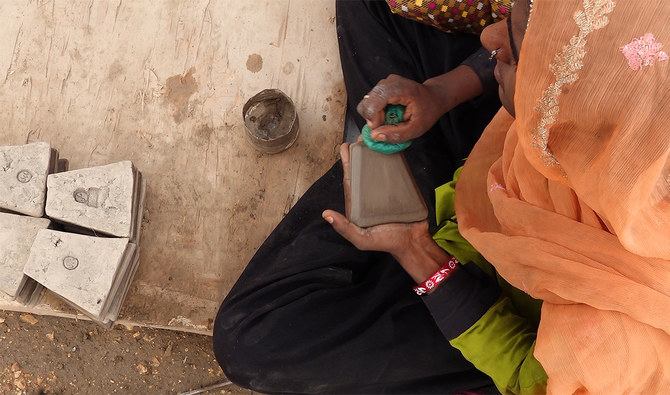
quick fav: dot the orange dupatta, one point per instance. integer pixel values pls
(570, 201)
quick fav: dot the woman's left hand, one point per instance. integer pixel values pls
(394, 238)
(410, 243)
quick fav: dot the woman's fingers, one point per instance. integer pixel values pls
(393, 133)
(345, 228)
(372, 109)
(421, 109)
(390, 90)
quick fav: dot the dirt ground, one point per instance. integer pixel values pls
(49, 355)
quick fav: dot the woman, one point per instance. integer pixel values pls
(567, 192)
(493, 329)
(571, 199)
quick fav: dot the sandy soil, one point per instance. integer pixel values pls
(48, 355)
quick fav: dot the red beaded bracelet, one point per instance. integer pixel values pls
(438, 277)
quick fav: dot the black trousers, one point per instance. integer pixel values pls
(311, 313)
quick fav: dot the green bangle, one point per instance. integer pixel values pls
(393, 116)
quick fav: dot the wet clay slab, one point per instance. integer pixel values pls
(23, 175)
(83, 270)
(383, 189)
(17, 233)
(99, 198)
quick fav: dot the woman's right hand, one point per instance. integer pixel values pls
(422, 109)
(424, 103)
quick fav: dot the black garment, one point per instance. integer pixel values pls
(311, 313)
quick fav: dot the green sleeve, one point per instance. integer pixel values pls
(447, 235)
(502, 341)
(501, 344)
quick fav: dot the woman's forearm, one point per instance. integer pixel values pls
(455, 87)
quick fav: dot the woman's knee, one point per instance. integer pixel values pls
(234, 357)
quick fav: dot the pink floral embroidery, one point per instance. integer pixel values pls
(496, 186)
(643, 51)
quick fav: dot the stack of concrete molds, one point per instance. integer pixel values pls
(87, 250)
(92, 261)
(17, 233)
(23, 176)
(90, 273)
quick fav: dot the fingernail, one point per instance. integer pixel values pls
(328, 219)
(379, 137)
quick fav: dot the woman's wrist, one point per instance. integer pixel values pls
(422, 258)
(436, 279)
(455, 87)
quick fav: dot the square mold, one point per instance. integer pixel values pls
(17, 233)
(23, 175)
(91, 273)
(104, 199)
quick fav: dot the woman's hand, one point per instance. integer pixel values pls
(424, 102)
(394, 238)
(410, 244)
(422, 109)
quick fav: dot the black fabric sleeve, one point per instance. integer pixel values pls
(461, 300)
(483, 67)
